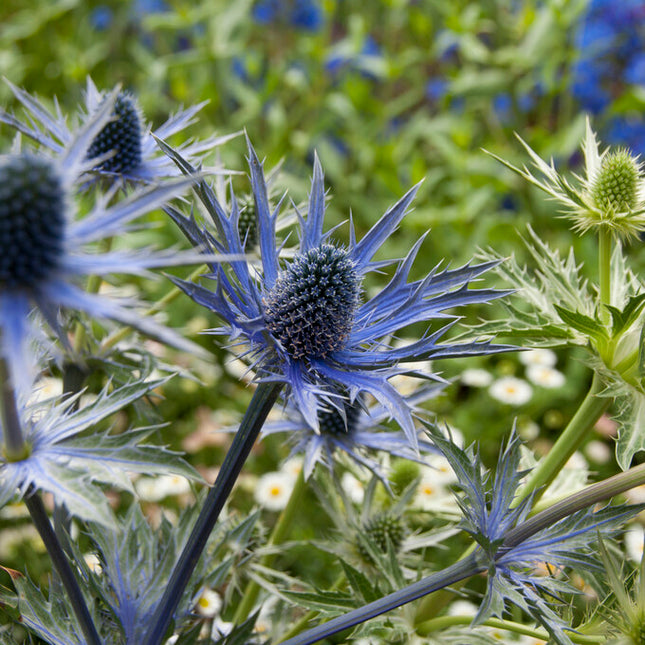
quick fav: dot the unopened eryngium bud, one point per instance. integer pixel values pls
(615, 187)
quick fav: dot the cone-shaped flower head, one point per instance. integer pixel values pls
(121, 137)
(32, 220)
(125, 149)
(306, 321)
(42, 246)
(610, 196)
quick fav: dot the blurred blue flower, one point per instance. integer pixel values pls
(143, 7)
(368, 61)
(302, 14)
(436, 88)
(307, 324)
(125, 147)
(357, 430)
(101, 18)
(43, 246)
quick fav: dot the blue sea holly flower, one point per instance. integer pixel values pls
(44, 249)
(357, 430)
(307, 323)
(124, 149)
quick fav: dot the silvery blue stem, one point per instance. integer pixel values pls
(256, 414)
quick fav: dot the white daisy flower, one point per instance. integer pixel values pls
(476, 377)
(544, 376)
(209, 603)
(540, 356)
(511, 390)
(634, 542)
(273, 490)
(353, 487)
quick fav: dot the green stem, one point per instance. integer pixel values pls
(443, 622)
(590, 410)
(278, 536)
(263, 399)
(604, 272)
(79, 607)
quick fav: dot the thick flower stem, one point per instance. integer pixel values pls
(590, 410)
(14, 443)
(263, 399)
(604, 272)
(475, 563)
(278, 535)
(465, 568)
(41, 521)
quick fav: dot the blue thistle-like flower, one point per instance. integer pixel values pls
(43, 247)
(307, 324)
(356, 430)
(125, 148)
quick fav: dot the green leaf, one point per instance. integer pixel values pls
(586, 325)
(360, 583)
(329, 602)
(622, 320)
(631, 421)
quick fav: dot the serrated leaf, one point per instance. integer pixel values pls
(631, 421)
(360, 583)
(622, 320)
(586, 325)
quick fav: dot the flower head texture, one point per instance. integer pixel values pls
(357, 431)
(307, 323)
(124, 149)
(45, 248)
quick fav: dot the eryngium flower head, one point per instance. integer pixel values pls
(43, 246)
(357, 430)
(305, 322)
(611, 195)
(124, 149)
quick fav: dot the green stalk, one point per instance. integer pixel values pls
(443, 622)
(278, 536)
(61, 565)
(263, 399)
(604, 272)
(590, 410)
